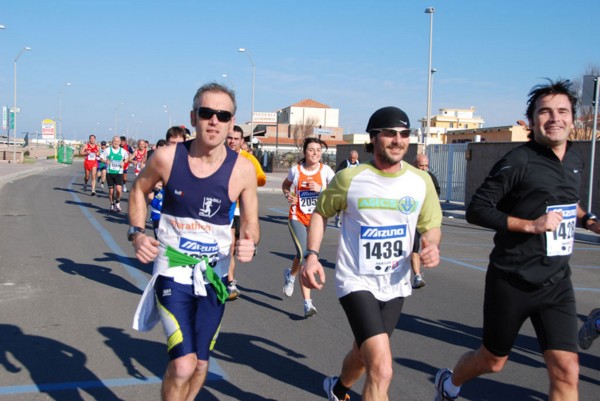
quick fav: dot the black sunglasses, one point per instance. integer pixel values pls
(206, 113)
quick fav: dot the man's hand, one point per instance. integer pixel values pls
(310, 270)
(245, 248)
(430, 254)
(146, 248)
(547, 223)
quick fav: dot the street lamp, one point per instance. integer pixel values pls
(60, 110)
(170, 115)
(15, 108)
(242, 50)
(229, 79)
(430, 71)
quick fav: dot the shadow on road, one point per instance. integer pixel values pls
(55, 368)
(97, 273)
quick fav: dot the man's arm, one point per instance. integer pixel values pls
(312, 266)
(249, 226)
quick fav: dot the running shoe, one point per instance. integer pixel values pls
(441, 376)
(118, 207)
(124, 188)
(288, 284)
(418, 281)
(85, 187)
(328, 385)
(233, 291)
(589, 331)
(93, 193)
(309, 309)
(101, 185)
(338, 223)
(112, 208)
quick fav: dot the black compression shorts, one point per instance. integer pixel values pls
(509, 301)
(369, 317)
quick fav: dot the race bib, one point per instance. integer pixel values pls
(560, 241)
(382, 248)
(115, 165)
(91, 156)
(308, 201)
(198, 249)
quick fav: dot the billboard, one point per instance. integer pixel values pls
(261, 117)
(48, 129)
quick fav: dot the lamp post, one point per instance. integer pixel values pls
(229, 79)
(60, 110)
(430, 71)
(242, 50)
(15, 108)
(170, 115)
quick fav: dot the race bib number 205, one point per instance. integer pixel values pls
(382, 248)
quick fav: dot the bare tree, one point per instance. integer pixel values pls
(303, 131)
(585, 117)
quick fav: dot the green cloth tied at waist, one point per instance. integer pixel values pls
(178, 259)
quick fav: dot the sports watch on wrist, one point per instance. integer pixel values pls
(133, 231)
(587, 217)
(311, 252)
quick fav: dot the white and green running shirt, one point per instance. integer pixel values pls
(381, 213)
(114, 159)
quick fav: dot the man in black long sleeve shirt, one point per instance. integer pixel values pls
(531, 199)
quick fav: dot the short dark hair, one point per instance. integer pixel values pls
(215, 87)
(560, 87)
(175, 132)
(161, 142)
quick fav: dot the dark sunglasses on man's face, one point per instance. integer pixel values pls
(206, 113)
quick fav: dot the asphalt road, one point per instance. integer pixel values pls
(69, 285)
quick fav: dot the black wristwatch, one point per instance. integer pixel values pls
(133, 231)
(311, 252)
(586, 218)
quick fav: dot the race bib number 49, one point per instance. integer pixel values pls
(560, 241)
(382, 248)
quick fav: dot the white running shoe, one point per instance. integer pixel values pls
(118, 207)
(309, 308)
(288, 284)
(124, 188)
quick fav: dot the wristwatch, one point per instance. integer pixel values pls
(133, 231)
(587, 217)
(311, 252)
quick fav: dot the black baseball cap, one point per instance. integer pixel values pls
(387, 117)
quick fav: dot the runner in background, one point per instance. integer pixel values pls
(102, 166)
(129, 151)
(115, 157)
(90, 165)
(234, 142)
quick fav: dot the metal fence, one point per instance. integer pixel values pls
(449, 165)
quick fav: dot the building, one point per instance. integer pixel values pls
(293, 123)
(505, 133)
(448, 120)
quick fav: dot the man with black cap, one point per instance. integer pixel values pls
(383, 203)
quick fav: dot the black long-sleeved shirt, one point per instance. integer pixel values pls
(523, 184)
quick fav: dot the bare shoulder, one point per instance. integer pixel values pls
(244, 166)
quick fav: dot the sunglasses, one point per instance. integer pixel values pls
(404, 133)
(207, 113)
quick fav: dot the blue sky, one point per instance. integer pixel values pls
(130, 58)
